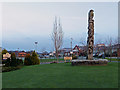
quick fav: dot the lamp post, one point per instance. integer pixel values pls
(71, 47)
(71, 44)
(36, 45)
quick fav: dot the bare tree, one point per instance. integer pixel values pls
(97, 47)
(57, 36)
(118, 55)
(84, 45)
(115, 41)
(109, 42)
(117, 46)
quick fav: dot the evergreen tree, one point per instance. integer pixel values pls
(4, 51)
(28, 60)
(13, 60)
(35, 59)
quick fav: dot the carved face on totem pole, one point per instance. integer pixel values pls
(91, 14)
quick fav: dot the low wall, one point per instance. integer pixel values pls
(89, 62)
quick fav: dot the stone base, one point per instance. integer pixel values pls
(89, 62)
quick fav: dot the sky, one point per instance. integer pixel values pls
(23, 23)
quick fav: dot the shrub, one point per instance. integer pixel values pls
(35, 59)
(31, 60)
(13, 60)
(19, 62)
(7, 62)
(28, 60)
(7, 69)
(4, 61)
(3, 52)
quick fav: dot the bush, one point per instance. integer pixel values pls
(13, 60)
(4, 61)
(19, 62)
(31, 60)
(28, 60)
(8, 62)
(3, 52)
(35, 59)
(7, 69)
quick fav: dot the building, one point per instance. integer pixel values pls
(66, 51)
(77, 51)
(113, 50)
(99, 48)
(116, 50)
(52, 54)
(21, 55)
(6, 56)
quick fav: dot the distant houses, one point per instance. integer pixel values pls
(77, 51)
(113, 50)
(99, 50)
(6, 56)
(21, 55)
(65, 52)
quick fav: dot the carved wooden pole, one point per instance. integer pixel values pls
(90, 39)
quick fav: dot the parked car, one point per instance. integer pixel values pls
(41, 56)
(46, 56)
(95, 55)
(101, 55)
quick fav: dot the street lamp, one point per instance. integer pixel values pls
(71, 47)
(36, 45)
(71, 44)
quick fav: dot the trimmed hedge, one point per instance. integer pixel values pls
(7, 69)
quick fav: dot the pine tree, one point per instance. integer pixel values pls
(13, 60)
(35, 59)
(28, 60)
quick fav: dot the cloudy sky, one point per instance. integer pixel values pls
(25, 23)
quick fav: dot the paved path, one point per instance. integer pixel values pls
(113, 61)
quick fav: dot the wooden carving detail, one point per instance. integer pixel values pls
(90, 39)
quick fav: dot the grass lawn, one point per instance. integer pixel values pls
(50, 60)
(62, 75)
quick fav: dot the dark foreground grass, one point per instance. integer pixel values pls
(63, 75)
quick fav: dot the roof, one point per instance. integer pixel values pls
(99, 45)
(22, 53)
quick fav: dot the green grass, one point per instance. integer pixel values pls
(62, 75)
(49, 60)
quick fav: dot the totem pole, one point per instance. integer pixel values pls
(90, 39)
